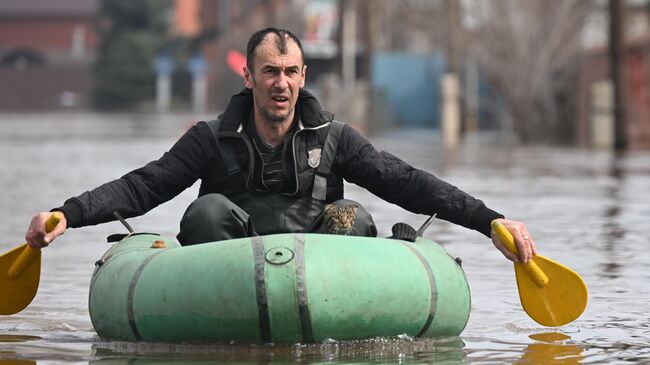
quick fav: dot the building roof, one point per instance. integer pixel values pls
(47, 8)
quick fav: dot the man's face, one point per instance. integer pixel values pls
(276, 79)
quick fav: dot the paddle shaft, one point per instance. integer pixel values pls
(532, 269)
(29, 254)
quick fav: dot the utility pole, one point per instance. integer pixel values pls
(347, 98)
(616, 61)
(452, 124)
(454, 37)
(348, 45)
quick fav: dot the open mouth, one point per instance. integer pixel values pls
(280, 99)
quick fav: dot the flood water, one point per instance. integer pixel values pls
(586, 209)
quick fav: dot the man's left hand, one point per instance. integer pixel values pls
(523, 240)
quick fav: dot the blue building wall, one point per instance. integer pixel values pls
(410, 86)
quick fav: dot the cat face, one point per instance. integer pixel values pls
(340, 220)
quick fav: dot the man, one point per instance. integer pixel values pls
(269, 164)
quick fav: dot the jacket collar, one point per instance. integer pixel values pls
(241, 104)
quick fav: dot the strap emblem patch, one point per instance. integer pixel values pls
(314, 157)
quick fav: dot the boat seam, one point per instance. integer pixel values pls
(432, 283)
(301, 289)
(260, 289)
(130, 296)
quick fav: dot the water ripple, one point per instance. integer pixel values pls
(586, 209)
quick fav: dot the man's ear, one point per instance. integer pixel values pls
(304, 74)
(248, 78)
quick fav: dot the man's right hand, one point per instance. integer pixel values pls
(37, 236)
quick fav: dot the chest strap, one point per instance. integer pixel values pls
(228, 156)
(319, 191)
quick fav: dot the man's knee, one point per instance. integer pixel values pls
(214, 217)
(210, 208)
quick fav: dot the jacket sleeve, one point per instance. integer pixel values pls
(145, 188)
(397, 182)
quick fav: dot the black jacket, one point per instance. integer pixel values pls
(310, 133)
(196, 156)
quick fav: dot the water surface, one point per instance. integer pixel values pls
(586, 209)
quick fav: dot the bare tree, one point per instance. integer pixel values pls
(418, 26)
(529, 48)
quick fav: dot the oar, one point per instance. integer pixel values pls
(551, 293)
(20, 272)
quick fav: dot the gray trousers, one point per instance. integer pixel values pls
(214, 217)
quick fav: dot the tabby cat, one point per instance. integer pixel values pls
(339, 220)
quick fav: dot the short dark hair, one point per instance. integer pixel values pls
(281, 42)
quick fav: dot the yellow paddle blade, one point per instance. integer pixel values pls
(550, 293)
(559, 302)
(20, 273)
(17, 292)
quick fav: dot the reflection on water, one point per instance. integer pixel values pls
(4, 338)
(441, 351)
(586, 209)
(17, 338)
(554, 349)
(613, 232)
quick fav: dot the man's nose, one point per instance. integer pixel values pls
(281, 81)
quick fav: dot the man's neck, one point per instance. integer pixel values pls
(273, 132)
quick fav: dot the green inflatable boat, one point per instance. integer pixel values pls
(284, 288)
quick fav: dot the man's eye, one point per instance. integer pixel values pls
(292, 72)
